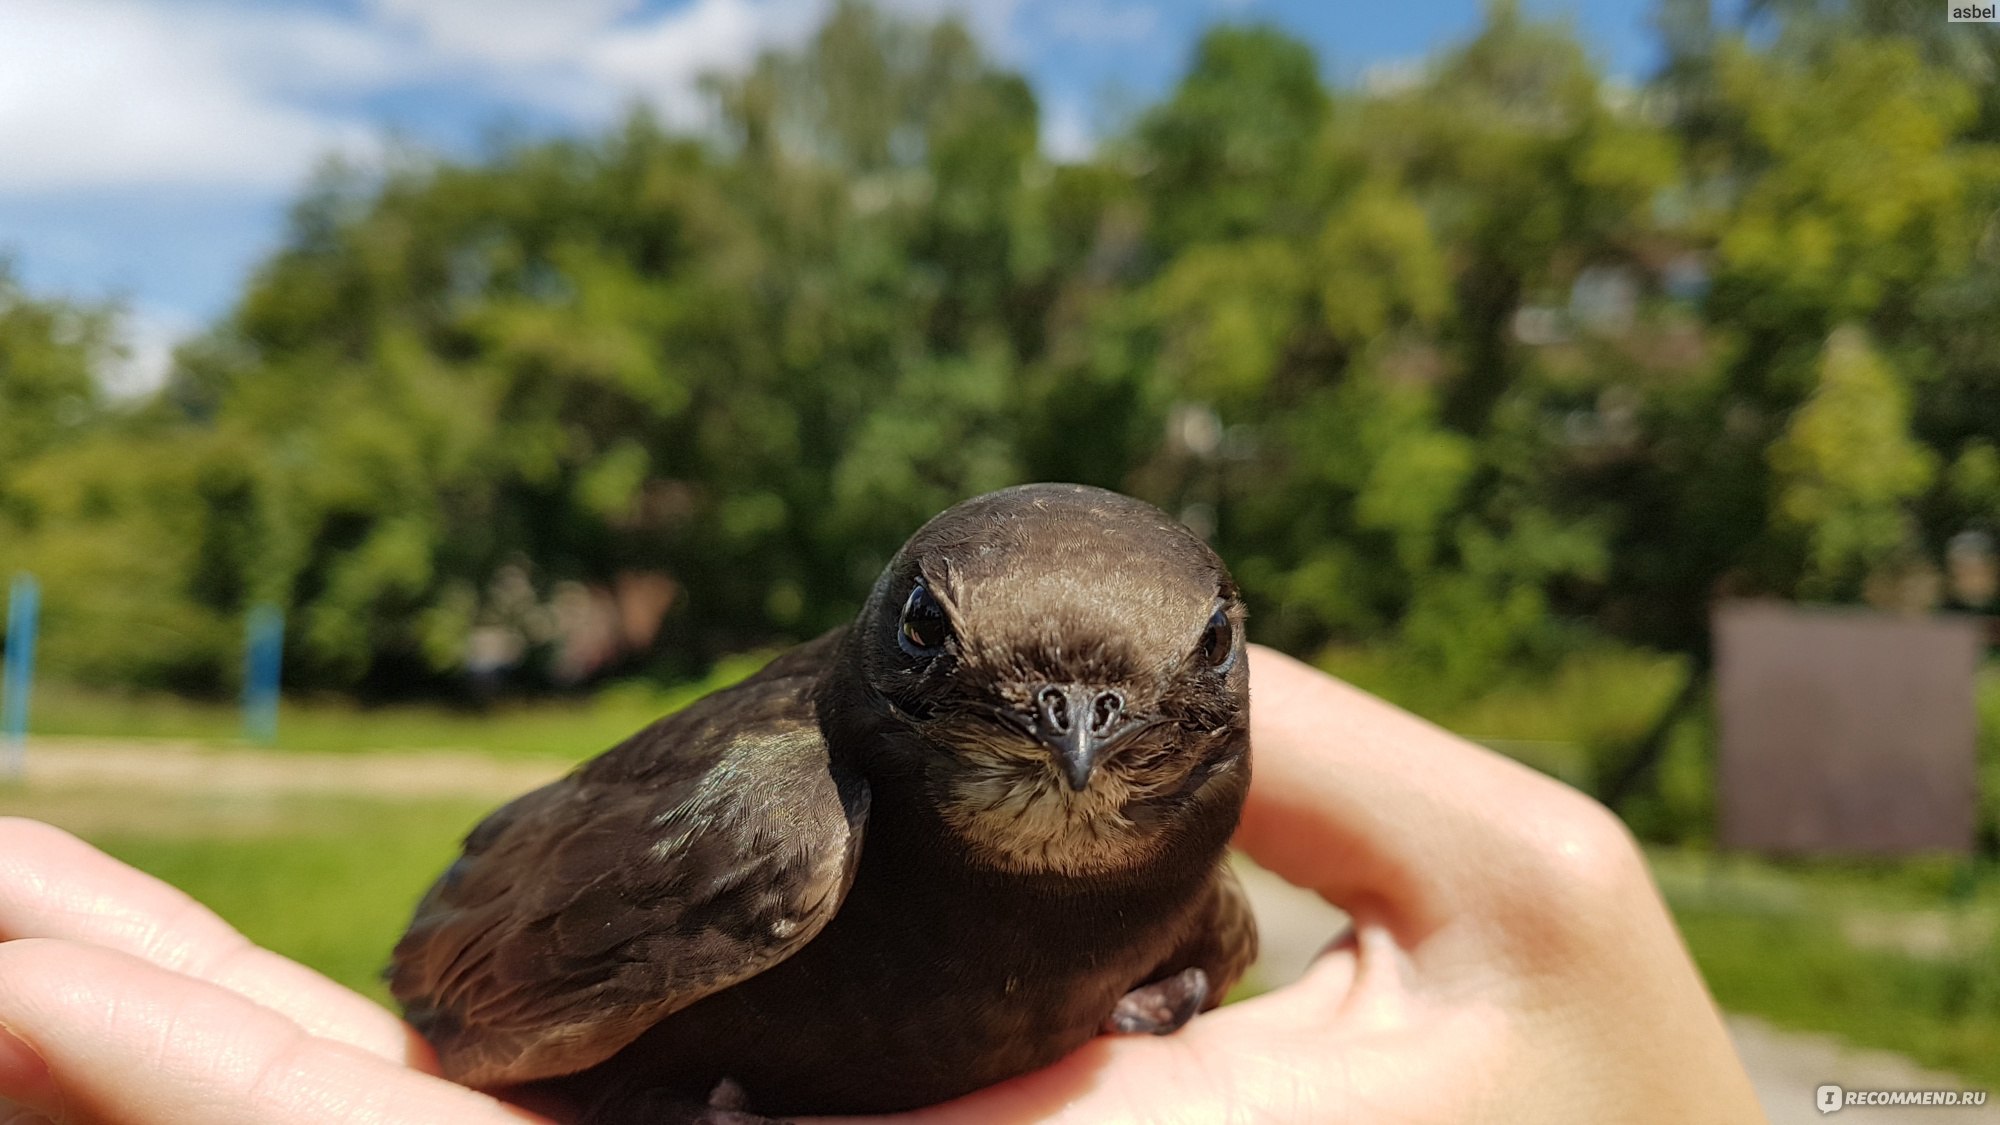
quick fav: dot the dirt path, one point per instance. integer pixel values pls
(1787, 1067)
(188, 767)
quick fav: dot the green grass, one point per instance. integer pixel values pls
(327, 881)
(565, 729)
(1799, 975)
(1775, 940)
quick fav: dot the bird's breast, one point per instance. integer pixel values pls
(932, 981)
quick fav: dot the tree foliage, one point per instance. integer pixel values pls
(1478, 364)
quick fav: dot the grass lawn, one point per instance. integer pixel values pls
(571, 729)
(1903, 957)
(328, 881)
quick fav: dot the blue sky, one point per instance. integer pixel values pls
(148, 148)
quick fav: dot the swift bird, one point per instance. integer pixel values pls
(938, 847)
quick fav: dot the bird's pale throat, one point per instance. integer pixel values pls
(1012, 797)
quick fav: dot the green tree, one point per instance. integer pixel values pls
(1846, 469)
(50, 352)
(1472, 366)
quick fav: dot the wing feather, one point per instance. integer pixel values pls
(697, 854)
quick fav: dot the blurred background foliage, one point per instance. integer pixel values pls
(1486, 375)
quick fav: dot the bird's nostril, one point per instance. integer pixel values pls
(1105, 712)
(1059, 708)
(1054, 708)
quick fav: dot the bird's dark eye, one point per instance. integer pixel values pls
(1218, 642)
(924, 627)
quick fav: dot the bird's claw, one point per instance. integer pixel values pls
(1160, 1008)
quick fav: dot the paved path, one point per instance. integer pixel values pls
(1787, 1067)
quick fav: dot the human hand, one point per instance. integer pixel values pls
(122, 1000)
(1509, 960)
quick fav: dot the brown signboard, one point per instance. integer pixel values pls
(1845, 731)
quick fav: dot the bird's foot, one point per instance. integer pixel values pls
(1160, 1008)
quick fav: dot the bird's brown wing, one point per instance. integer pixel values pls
(699, 853)
(1230, 943)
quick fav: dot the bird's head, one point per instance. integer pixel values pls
(1071, 662)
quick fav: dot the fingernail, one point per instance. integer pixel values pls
(24, 1076)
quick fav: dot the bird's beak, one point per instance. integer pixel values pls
(1077, 724)
(1076, 752)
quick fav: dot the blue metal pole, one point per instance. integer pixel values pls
(264, 652)
(24, 600)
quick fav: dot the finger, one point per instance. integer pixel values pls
(1394, 819)
(53, 885)
(120, 1039)
(1491, 879)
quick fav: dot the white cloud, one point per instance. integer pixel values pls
(99, 92)
(222, 94)
(661, 60)
(234, 94)
(588, 58)
(505, 32)
(149, 335)
(282, 52)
